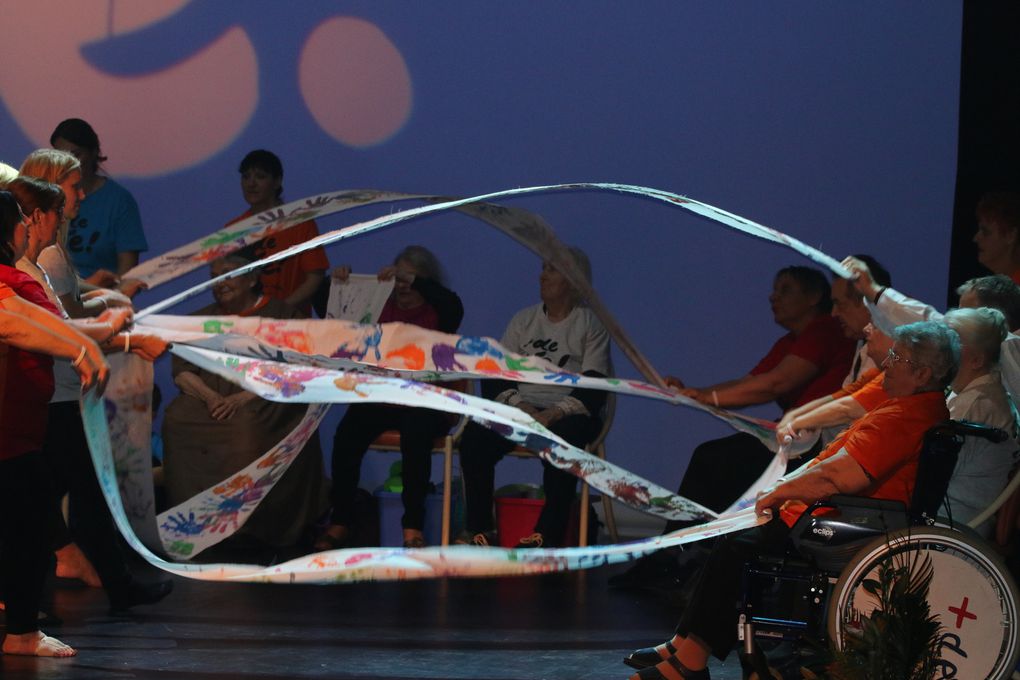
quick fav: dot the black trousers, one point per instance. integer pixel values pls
(360, 426)
(25, 559)
(90, 524)
(712, 612)
(722, 469)
(481, 449)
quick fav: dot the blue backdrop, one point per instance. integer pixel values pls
(833, 122)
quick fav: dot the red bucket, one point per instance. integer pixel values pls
(515, 519)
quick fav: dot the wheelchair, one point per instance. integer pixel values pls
(817, 594)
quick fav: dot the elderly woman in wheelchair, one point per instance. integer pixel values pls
(876, 457)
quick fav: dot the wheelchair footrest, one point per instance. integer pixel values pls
(785, 600)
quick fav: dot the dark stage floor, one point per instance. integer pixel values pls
(558, 626)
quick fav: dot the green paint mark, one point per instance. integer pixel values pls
(181, 547)
(515, 365)
(216, 326)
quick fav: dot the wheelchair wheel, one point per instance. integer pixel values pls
(971, 592)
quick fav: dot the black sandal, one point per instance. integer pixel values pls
(648, 656)
(652, 673)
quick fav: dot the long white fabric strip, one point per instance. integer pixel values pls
(386, 564)
(316, 378)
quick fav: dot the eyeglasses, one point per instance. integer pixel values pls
(894, 358)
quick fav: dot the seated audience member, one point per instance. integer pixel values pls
(834, 412)
(65, 449)
(808, 362)
(296, 279)
(876, 457)
(214, 428)
(853, 315)
(979, 397)
(420, 298)
(563, 330)
(890, 308)
(106, 236)
(998, 233)
(31, 337)
(662, 571)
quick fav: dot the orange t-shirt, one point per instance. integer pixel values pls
(863, 379)
(867, 390)
(886, 444)
(280, 279)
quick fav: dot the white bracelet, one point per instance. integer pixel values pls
(127, 343)
(715, 398)
(81, 356)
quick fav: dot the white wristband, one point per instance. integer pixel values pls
(81, 357)
(127, 343)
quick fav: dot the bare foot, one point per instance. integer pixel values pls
(36, 644)
(72, 563)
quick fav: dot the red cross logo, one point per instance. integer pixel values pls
(962, 613)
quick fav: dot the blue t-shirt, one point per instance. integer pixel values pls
(108, 223)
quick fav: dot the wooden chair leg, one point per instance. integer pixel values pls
(447, 489)
(607, 511)
(582, 529)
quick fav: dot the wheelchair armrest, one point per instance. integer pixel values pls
(831, 539)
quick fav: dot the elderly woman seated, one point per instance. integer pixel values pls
(876, 457)
(566, 332)
(977, 396)
(214, 428)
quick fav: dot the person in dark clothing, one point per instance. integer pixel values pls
(420, 298)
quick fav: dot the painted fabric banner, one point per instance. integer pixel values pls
(167, 262)
(128, 408)
(283, 382)
(406, 351)
(204, 520)
(311, 376)
(191, 256)
(360, 298)
(379, 564)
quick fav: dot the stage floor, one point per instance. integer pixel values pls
(560, 626)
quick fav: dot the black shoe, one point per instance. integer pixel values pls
(652, 673)
(135, 594)
(648, 656)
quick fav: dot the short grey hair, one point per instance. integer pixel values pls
(422, 259)
(999, 292)
(932, 345)
(982, 329)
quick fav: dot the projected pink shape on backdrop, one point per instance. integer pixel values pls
(148, 124)
(354, 82)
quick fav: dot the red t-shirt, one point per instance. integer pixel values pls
(423, 316)
(26, 378)
(280, 279)
(886, 444)
(824, 345)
